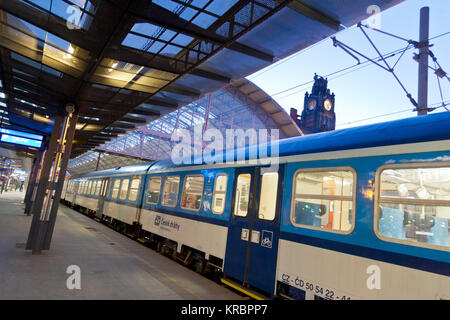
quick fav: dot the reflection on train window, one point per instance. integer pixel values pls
(154, 187)
(124, 189)
(191, 198)
(324, 200)
(414, 205)
(268, 196)
(170, 193)
(99, 185)
(105, 187)
(242, 194)
(134, 188)
(94, 186)
(115, 191)
(220, 193)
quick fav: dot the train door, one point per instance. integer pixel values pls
(252, 242)
(101, 198)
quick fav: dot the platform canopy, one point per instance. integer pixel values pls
(125, 63)
(240, 105)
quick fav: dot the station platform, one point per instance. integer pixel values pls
(111, 265)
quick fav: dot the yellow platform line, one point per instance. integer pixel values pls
(241, 289)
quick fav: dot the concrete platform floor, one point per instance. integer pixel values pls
(112, 265)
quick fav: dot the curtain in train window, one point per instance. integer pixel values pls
(134, 189)
(414, 205)
(124, 189)
(115, 191)
(171, 189)
(242, 196)
(219, 194)
(191, 197)
(154, 189)
(324, 200)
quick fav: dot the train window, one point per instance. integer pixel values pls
(94, 186)
(115, 190)
(134, 188)
(170, 192)
(89, 187)
(124, 189)
(219, 194)
(413, 205)
(324, 199)
(268, 196)
(242, 196)
(106, 185)
(153, 190)
(99, 185)
(191, 198)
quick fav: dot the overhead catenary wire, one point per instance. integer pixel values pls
(437, 106)
(355, 66)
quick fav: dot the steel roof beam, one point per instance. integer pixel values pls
(315, 14)
(133, 120)
(164, 18)
(57, 25)
(162, 103)
(143, 112)
(148, 60)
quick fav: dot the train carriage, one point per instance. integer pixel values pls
(360, 213)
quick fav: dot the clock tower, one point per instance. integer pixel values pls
(318, 112)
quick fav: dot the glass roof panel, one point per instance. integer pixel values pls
(169, 5)
(204, 20)
(182, 39)
(188, 14)
(134, 41)
(78, 12)
(220, 7)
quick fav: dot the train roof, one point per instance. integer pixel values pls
(416, 129)
(133, 169)
(432, 127)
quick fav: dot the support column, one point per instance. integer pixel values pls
(47, 190)
(423, 61)
(98, 160)
(63, 158)
(32, 181)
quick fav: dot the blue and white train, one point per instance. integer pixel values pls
(359, 213)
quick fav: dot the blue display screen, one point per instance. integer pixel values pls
(21, 134)
(20, 140)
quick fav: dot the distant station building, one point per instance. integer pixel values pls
(318, 112)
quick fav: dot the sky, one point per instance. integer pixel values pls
(366, 94)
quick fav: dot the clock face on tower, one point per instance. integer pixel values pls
(312, 104)
(328, 105)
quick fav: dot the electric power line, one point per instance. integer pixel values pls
(446, 103)
(385, 56)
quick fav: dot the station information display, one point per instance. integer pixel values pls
(21, 138)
